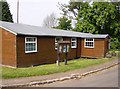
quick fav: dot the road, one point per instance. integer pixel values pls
(106, 78)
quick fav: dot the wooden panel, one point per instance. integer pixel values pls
(8, 48)
(0, 46)
(106, 45)
(46, 52)
(97, 51)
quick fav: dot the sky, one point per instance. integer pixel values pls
(33, 12)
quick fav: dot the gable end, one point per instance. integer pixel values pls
(8, 30)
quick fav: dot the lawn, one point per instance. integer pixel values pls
(51, 68)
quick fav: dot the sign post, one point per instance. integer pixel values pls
(62, 47)
(58, 55)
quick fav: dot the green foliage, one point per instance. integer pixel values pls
(115, 33)
(114, 44)
(84, 27)
(117, 3)
(5, 12)
(51, 68)
(64, 23)
(96, 18)
(70, 10)
(73, 6)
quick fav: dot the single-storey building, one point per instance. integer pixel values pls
(25, 45)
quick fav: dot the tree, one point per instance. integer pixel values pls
(84, 18)
(71, 10)
(64, 23)
(114, 44)
(50, 21)
(117, 4)
(5, 12)
(97, 18)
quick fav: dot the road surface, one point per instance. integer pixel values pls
(106, 78)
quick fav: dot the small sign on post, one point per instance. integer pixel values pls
(62, 47)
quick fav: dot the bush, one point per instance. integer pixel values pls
(114, 44)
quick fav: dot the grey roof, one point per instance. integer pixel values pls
(23, 29)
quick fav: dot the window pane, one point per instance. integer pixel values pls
(73, 39)
(73, 42)
(56, 41)
(56, 44)
(30, 46)
(27, 47)
(89, 39)
(89, 44)
(30, 39)
(58, 38)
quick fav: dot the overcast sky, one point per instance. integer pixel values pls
(34, 11)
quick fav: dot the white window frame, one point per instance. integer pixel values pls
(74, 41)
(85, 41)
(31, 42)
(56, 42)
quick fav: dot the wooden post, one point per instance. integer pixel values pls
(58, 55)
(66, 55)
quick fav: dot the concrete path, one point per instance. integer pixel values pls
(25, 80)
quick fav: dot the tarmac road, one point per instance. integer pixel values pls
(106, 78)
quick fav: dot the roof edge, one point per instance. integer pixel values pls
(9, 30)
(97, 36)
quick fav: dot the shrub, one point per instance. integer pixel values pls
(114, 44)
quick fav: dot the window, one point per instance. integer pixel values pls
(30, 44)
(73, 42)
(89, 43)
(56, 41)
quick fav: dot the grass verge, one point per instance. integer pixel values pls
(51, 68)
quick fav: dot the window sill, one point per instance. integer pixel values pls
(30, 51)
(89, 47)
(73, 47)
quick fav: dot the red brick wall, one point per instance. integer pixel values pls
(0, 46)
(8, 48)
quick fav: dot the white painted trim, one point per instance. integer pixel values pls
(8, 30)
(88, 41)
(31, 42)
(75, 42)
(57, 42)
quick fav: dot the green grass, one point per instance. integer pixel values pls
(51, 68)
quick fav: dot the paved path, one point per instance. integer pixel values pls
(106, 78)
(53, 76)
